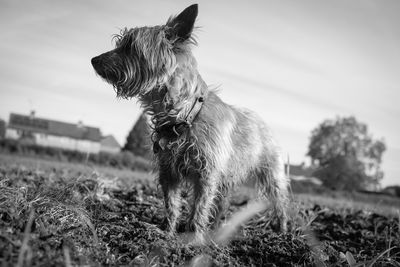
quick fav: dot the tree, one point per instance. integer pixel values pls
(345, 154)
(138, 140)
(2, 129)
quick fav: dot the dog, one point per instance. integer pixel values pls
(198, 140)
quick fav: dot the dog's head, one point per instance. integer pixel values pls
(145, 58)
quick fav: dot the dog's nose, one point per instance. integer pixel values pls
(95, 61)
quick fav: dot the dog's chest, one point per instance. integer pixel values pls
(170, 138)
(181, 154)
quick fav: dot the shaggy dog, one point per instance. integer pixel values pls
(198, 139)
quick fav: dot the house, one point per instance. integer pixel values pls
(50, 133)
(109, 144)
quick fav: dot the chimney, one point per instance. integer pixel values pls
(80, 124)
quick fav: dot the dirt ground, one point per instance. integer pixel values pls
(52, 215)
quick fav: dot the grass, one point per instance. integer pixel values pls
(352, 204)
(55, 214)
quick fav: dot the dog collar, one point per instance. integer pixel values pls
(170, 131)
(194, 110)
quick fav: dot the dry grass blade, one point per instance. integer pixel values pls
(87, 221)
(311, 220)
(67, 256)
(202, 260)
(226, 232)
(24, 248)
(379, 256)
(315, 247)
(350, 259)
(145, 261)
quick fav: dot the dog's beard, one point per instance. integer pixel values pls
(125, 84)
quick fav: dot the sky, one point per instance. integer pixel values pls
(296, 63)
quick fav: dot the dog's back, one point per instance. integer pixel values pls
(239, 144)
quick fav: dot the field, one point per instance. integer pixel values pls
(54, 214)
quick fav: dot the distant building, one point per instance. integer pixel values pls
(51, 133)
(109, 144)
(302, 173)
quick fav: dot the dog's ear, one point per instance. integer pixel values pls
(180, 27)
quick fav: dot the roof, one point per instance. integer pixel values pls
(52, 127)
(110, 141)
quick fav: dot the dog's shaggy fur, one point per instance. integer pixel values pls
(198, 139)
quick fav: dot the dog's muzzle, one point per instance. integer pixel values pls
(96, 61)
(99, 64)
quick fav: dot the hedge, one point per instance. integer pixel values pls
(121, 160)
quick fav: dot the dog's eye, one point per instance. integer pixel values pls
(126, 43)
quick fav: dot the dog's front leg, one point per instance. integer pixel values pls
(205, 190)
(172, 201)
(221, 203)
